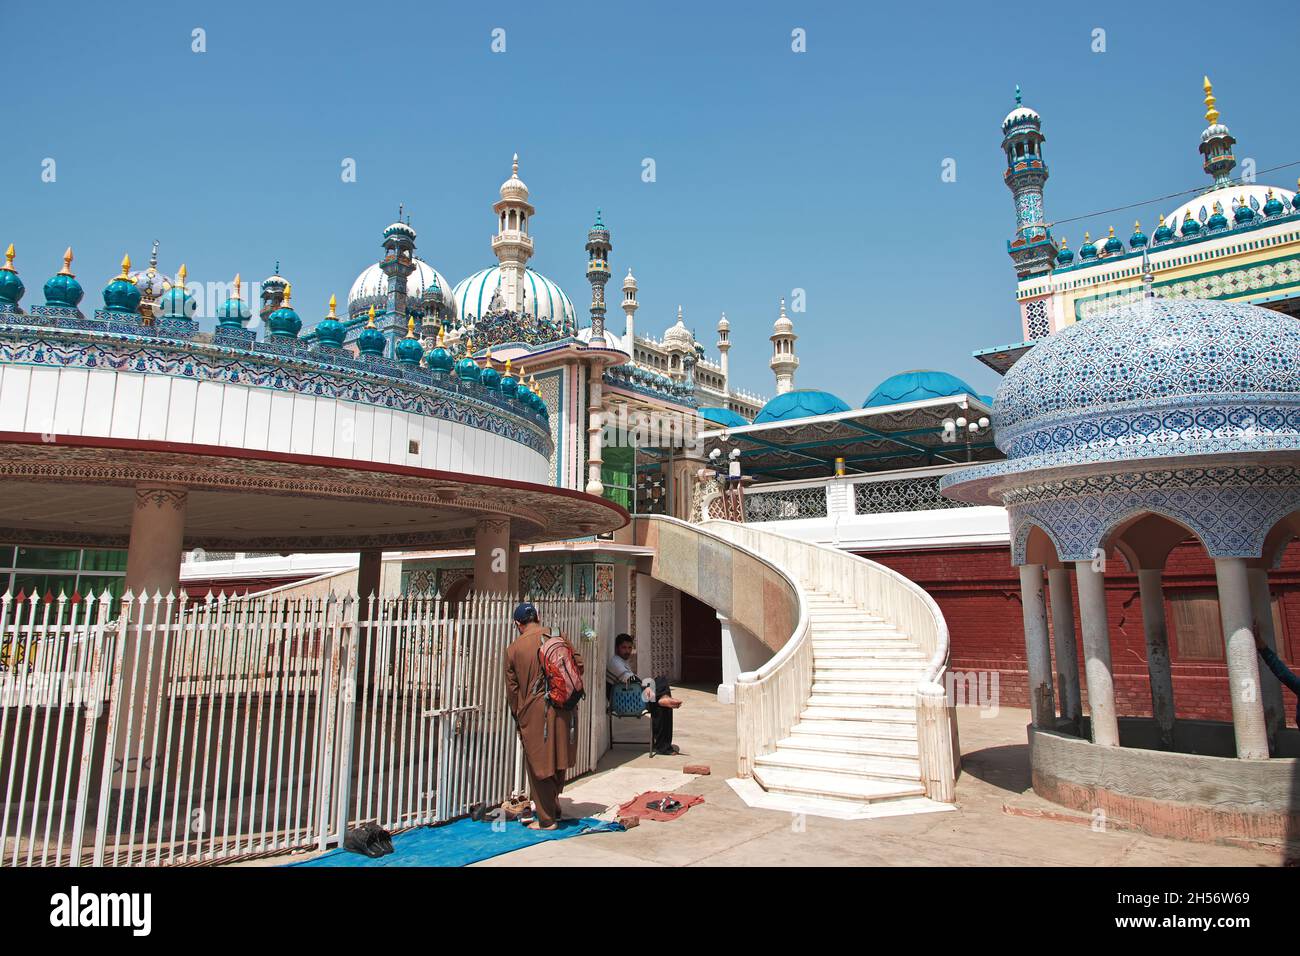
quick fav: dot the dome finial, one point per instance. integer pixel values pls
(9, 259)
(237, 283)
(181, 273)
(371, 323)
(1148, 276)
(1017, 94)
(126, 267)
(514, 170)
(288, 292)
(1211, 114)
(333, 305)
(410, 327)
(67, 263)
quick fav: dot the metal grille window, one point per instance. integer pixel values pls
(905, 494)
(786, 505)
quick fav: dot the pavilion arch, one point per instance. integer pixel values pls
(1034, 543)
(1279, 536)
(1146, 539)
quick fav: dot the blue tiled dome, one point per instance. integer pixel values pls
(1156, 378)
(722, 416)
(916, 385)
(799, 403)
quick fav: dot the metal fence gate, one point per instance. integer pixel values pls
(166, 731)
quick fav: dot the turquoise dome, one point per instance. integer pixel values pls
(1088, 250)
(371, 341)
(330, 332)
(1138, 239)
(799, 403)
(467, 370)
(122, 294)
(1065, 256)
(284, 322)
(1163, 232)
(916, 385)
(234, 312)
(439, 359)
(1113, 245)
(1217, 219)
(509, 386)
(722, 416)
(1190, 227)
(490, 377)
(1243, 214)
(63, 290)
(409, 351)
(1273, 206)
(11, 287)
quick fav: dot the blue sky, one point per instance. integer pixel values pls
(775, 170)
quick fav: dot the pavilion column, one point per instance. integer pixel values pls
(1261, 605)
(1067, 650)
(370, 570)
(512, 581)
(369, 576)
(1152, 593)
(1243, 667)
(1038, 652)
(595, 423)
(153, 566)
(492, 556)
(1096, 654)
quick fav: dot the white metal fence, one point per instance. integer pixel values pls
(168, 731)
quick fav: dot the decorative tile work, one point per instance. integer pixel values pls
(542, 580)
(584, 581)
(604, 582)
(1259, 276)
(549, 386)
(788, 504)
(905, 494)
(448, 577)
(663, 652)
(1036, 322)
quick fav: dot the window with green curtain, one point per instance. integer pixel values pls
(616, 472)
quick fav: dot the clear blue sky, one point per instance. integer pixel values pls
(775, 170)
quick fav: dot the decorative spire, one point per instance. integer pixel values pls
(236, 294)
(153, 257)
(410, 327)
(1017, 94)
(507, 366)
(1148, 276)
(9, 259)
(288, 291)
(181, 273)
(371, 323)
(67, 263)
(333, 305)
(514, 169)
(1211, 114)
(441, 337)
(126, 266)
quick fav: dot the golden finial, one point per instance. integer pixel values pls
(9, 259)
(507, 366)
(181, 273)
(440, 337)
(236, 295)
(469, 346)
(1112, 230)
(1162, 219)
(1218, 208)
(126, 267)
(67, 263)
(410, 327)
(1087, 238)
(1211, 114)
(371, 323)
(1270, 193)
(488, 355)
(333, 305)
(1065, 243)
(288, 291)
(1137, 225)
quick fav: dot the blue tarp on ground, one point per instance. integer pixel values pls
(461, 843)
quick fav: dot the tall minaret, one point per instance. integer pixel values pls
(724, 346)
(512, 244)
(1032, 250)
(598, 249)
(629, 309)
(398, 264)
(1216, 143)
(784, 361)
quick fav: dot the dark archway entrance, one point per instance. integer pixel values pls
(701, 643)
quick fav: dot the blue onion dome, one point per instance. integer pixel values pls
(467, 369)
(234, 312)
(371, 340)
(1163, 232)
(1217, 219)
(509, 384)
(409, 351)
(1066, 255)
(1139, 238)
(176, 302)
(1190, 226)
(535, 398)
(1243, 213)
(1087, 250)
(63, 290)
(122, 294)
(11, 287)
(1113, 245)
(330, 332)
(284, 321)
(438, 358)
(722, 416)
(915, 386)
(490, 377)
(1273, 206)
(799, 403)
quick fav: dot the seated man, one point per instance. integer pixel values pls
(661, 703)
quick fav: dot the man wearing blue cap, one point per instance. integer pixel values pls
(548, 733)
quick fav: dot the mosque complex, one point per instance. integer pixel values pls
(1103, 536)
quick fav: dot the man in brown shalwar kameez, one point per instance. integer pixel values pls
(545, 731)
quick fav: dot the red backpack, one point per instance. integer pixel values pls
(561, 676)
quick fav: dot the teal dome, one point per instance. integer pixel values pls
(915, 386)
(284, 322)
(1138, 239)
(1243, 214)
(122, 294)
(1273, 206)
(467, 370)
(800, 403)
(509, 385)
(371, 340)
(439, 359)
(234, 312)
(63, 290)
(330, 332)
(490, 377)
(1113, 245)
(1065, 256)
(1087, 250)
(409, 351)
(11, 287)
(1163, 232)
(1217, 219)
(1190, 226)
(723, 416)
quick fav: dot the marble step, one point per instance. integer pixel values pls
(838, 696)
(838, 786)
(840, 710)
(865, 744)
(877, 767)
(856, 727)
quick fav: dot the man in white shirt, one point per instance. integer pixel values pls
(661, 702)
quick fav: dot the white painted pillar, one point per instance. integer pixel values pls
(492, 556)
(595, 421)
(1096, 654)
(1243, 665)
(1038, 651)
(1067, 648)
(741, 652)
(1152, 592)
(1261, 605)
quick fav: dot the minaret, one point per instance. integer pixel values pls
(512, 245)
(784, 361)
(1216, 143)
(398, 264)
(1032, 250)
(629, 309)
(598, 249)
(272, 294)
(724, 346)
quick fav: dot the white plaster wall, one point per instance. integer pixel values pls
(109, 404)
(741, 652)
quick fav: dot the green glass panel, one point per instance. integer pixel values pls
(95, 559)
(60, 558)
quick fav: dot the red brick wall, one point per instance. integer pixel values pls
(978, 591)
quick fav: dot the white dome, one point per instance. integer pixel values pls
(513, 189)
(1021, 113)
(371, 287)
(679, 335)
(543, 298)
(1226, 197)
